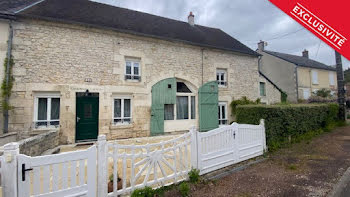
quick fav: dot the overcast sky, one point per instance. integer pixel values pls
(248, 21)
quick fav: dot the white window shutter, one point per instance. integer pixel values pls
(331, 79)
(314, 77)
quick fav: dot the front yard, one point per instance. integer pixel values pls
(305, 169)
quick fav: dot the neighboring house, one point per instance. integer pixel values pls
(88, 68)
(297, 76)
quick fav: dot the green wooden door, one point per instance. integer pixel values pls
(208, 106)
(163, 92)
(87, 116)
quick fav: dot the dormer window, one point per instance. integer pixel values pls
(132, 70)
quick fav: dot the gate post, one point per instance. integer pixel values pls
(262, 124)
(9, 169)
(102, 150)
(194, 148)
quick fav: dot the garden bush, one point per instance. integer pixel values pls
(285, 122)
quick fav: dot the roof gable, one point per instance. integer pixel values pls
(300, 61)
(129, 21)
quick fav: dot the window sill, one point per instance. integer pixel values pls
(133, 80)
(120, 126)
(45, 128)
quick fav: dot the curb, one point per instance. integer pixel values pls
(340, 189)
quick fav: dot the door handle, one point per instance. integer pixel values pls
(24, 170)
(78, 119)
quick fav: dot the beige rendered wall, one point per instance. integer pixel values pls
(280, 72)
(273, 95)
(305, 80)
(52, 57)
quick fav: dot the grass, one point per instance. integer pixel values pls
(292, 167)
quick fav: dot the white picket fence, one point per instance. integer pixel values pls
(86, 173)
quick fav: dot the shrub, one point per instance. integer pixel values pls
(282, 121)
(144, 192)
(194, 176)
(243, 101)
(324, 93)
(284, 97)
(319, 99)
(184, 189)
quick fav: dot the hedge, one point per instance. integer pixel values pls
(284, 122)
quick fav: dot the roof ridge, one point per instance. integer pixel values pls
(109, 5)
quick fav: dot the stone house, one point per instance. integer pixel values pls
(297, 76)
(87, 68)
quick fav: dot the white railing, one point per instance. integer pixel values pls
(228, 145)
(152, 165)
(155, 165)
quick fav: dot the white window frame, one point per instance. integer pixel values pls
(48, 96)
(188, 95)
(331, 79)
(308, 92)
(220, 104)
(220, 72)
(314, 76)
(122, 118)
(132, 62)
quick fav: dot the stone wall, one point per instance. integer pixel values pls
(53, 57)
(35, 146)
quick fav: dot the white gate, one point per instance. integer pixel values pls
(228, 145)
(69, 174)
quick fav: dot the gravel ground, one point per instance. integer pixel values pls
(304, 169)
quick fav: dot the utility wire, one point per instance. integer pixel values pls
(278, 37)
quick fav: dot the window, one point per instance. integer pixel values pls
(221, 77)
(181, 107)
(132, 70)
(193, 107)
(262, 89)
(314, 77)
(306, 93)
(222, 113)
(47, 111)
(185, 106)
(122, 111)
(331, 79)
(168, 112)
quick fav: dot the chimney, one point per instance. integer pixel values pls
(191, 19)
(261, 45)
(306, 53)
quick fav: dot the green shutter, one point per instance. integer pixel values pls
(208, 106)
(163, 92)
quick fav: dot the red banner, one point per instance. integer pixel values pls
(328, 20)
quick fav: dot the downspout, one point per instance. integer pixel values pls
(296, 81)
(9, 55)
(202, 65)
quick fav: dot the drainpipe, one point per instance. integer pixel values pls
(9, 50)
(202, 65)
(296, 81)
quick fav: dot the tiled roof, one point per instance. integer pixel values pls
(99, 15)
(300, 61)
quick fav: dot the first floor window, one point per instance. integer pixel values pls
(122, 111)
(132, 70)
(169, 112)
(222, 113)
(262, 89)
(314, 77)
(181, 107)
(221, 77)
(47, 111)
(306, 93)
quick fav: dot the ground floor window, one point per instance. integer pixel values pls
(47, 111)
(122, 110)
(222, 113)
(306, 93)
(184, 109)
(262, 89)
(169, 112)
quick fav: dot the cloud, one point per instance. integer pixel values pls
(248, 21)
